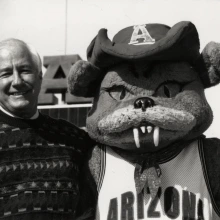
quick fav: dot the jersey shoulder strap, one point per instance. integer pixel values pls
(210, 157)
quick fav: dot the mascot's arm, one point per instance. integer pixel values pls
(212, 168)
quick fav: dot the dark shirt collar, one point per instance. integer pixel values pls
(36, 115)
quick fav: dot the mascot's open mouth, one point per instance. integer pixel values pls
(149, 128)
(153, 121)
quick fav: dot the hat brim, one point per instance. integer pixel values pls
(181, 42)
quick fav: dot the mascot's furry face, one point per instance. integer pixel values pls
(145, 110)
(143, 105)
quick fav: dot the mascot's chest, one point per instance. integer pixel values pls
(183, 194)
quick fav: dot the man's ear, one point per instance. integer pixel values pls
(83, 79)
(208, 65)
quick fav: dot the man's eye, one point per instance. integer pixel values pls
(25, 71)
(5, 74)
(118, 92)
(168, 90)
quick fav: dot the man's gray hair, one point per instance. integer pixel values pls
(35, 56)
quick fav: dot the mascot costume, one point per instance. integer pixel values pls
(149, 113)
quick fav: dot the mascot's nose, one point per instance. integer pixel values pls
(143, 103)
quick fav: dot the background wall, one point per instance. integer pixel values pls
(60, 27)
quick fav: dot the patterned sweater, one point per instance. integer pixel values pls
(40, 162)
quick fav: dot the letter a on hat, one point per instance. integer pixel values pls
(145, 36)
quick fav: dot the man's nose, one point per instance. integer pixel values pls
(16, 78)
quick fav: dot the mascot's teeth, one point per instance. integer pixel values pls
(156, 136)
(136, 137)
(143, 129)
(149, 129)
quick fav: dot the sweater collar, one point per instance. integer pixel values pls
(14, 116)
(19, 122)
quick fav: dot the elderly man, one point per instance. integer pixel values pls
(40, 157)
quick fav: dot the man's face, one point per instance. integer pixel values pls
(20, 81)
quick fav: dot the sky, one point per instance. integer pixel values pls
(60, 27)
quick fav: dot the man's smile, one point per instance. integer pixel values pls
(19, 93)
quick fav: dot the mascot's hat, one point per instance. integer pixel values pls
(145, 42)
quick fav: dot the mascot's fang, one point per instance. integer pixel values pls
(136, 137)
(156, 136)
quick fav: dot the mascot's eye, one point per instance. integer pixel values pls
(118, 92)
(168, 90)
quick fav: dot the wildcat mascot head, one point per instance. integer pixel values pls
(148, 86)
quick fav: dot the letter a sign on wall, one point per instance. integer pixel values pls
(55, 80)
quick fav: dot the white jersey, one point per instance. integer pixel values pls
(183, 194)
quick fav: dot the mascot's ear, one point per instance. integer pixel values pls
(83, 79)
(208, 64)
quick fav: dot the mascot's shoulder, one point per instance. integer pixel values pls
(211, 152)
(211, 156)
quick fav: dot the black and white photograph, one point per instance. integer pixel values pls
(109, 110)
